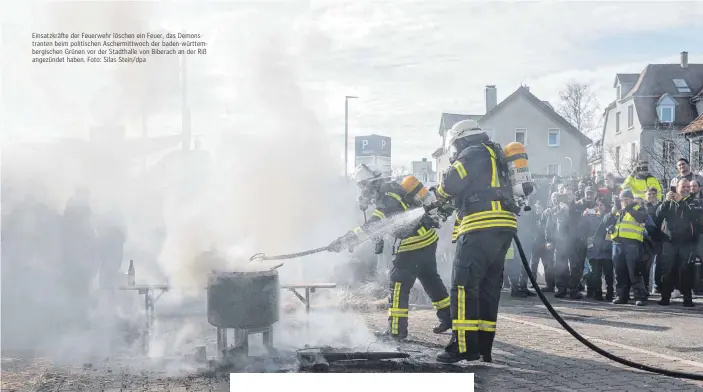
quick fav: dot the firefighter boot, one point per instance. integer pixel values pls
(445, 321)
(609, 294)
(451, 353)
(688, 301)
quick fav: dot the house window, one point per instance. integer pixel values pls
(634, 155)
(681, 86)
(668, 151)
(521, 135)
(617, 122)
(553, 169)
(553, 137)
(630, 116)
(617, 158)
(666, 114)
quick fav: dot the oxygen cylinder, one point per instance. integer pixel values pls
(520, 176)
(417, 191)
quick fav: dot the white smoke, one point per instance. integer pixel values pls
(268, 178)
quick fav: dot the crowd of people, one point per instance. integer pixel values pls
(617, 243)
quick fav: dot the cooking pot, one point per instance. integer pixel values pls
(243, 300)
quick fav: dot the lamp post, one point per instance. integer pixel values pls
(346, 134)
(571, 164)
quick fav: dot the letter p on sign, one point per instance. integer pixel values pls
(364, 143)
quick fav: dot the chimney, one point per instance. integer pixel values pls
(424, 159)
(684, 59)
(491, 98)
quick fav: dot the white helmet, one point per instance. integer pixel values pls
(460, 130)
(364, 174)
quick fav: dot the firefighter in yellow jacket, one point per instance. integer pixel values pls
(479, 184)
(415, 255)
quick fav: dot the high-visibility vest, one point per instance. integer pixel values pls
(628, 228)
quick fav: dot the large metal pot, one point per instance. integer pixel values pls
(243, 300)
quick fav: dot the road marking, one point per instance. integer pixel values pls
(606, 342)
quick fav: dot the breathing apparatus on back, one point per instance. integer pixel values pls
(511, 163)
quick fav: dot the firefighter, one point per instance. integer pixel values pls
(479, 183)
(415, 256)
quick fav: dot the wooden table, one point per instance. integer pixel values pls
(149, 301)
(309, 288)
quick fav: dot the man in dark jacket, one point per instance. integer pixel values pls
(562, 233)
(680, 215)
(627, 229)
(540, 251)
(600, 255)
(547, 227)
(655, 235)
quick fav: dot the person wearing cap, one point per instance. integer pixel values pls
(684, 169)
(680, 215)
(640, 180)
(627, 231)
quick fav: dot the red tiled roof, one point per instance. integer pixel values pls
(695, 125)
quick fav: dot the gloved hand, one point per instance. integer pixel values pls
(341, 242)
(430, 221)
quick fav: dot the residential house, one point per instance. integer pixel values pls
(554, 146)
(693, 132)
(645, 120)
(424, 172)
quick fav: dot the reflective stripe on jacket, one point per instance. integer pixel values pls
(461, 184)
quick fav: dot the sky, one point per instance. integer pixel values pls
(407, 61)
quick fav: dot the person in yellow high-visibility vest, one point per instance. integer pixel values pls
(640, 180)
(627, 230)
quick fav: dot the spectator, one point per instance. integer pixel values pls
(684, 169)
(640, 180)
(680, 216)
(580, 191)
(627, 232)
(562, 233)
(600, 255)
(554, 187)
(696, 189)
(610, 192)
(655, 235)
(547, 250)
(587, 227)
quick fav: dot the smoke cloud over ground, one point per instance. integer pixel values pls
(264, 178)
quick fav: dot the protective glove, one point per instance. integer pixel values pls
(339, 244)
(430, 221)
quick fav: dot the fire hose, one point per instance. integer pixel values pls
(567, 327)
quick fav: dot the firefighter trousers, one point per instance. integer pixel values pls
(407, 267)
(475, 293)
(629, 270)
(676, 270)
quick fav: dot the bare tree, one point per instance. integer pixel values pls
(578, 105)
(665, 148)
(622, 166)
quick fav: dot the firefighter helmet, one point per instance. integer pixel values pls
(460, 130)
